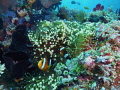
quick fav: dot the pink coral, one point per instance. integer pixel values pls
(89, 61)
(48, 3)
(98, 7)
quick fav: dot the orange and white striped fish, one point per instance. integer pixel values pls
(64, 53)
(44, 64)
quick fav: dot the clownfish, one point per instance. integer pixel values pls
(64, 53)
(44, 64)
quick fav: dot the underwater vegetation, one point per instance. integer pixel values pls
(44, 46)
(80, 16)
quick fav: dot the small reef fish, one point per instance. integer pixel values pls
(44, 64)
(18, 80)
(64, 53)
(74, 2)
(86, 7)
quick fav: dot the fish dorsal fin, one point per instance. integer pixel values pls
(43, 65)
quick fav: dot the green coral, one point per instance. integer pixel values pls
(80, 15)
(50, 35)
(81, 38)
(74, 67)
(41, 82)
(78, 69)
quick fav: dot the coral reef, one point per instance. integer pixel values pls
(72, 14)
(86, 45)
(103, 16)
(42, 83)
(47, 47)
(49, 36)
(79, 41)
(80, 16)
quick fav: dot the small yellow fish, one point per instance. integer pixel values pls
(18, 80)
(86, 7)
(65, 6)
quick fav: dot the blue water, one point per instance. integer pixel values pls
(91, 4)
